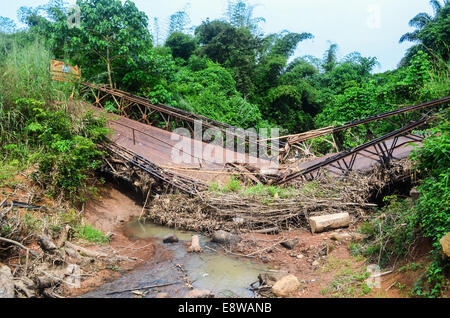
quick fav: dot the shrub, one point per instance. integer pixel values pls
(69, 156)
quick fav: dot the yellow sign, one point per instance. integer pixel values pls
(63, 72)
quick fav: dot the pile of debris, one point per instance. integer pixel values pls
(37, 257)
(237, 212)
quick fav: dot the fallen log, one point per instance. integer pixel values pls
(329, 222)
(25, 288)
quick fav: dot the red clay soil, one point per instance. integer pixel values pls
(109, 213)
(317, 270)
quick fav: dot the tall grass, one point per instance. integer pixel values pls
(439, 84)
(24, 73)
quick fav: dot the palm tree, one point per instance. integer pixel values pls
(421, 20)
(431, 33)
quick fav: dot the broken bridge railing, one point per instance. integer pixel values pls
(170, 118)
(396, 119)
(374, 150)
(181, 183)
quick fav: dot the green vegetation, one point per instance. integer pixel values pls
(35, 127)
(88, 233)
(348, 282)
(230, 71)
(394, 232)
(234, 185)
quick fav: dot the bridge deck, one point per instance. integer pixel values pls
(158, 146)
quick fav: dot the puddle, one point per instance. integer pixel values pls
(143, 231)
(224, 275)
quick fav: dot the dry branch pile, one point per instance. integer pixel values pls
(211, 211)
(42, 261)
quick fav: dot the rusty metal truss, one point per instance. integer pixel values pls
(367, 127)
(181, 183)
(345, 161)
(169, 118)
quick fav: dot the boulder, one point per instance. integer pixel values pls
(170, 239)
(291, 244)
(6, 282)
(358, 237)
(414, 194)
(46, 243)
(270, 279)
(445, 243)
(195, 245)
(200, 294)
(286, 286)
(340, 237)
(227, 238)
(329, 222)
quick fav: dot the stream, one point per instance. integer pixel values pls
(224, 275)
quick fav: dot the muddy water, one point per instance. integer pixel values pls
(222, 274)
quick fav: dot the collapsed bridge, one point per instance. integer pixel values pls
(143, 136)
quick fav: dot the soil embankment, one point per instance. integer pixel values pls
(109, 213)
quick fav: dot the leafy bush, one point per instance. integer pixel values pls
(69, 157)
(397, 226)
(433, 162)
(391, 233)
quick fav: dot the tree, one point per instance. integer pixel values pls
(330, 58)
(432, 33)
(112, 34)
(179, 21)
(240, 15)
(7, 25)
(234, 48)
(182, 45)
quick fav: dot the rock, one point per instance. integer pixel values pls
(315, 263)
(170, 239)
(358, 237)
(195, 245)
(329, 222)
(341, 237)
(71, 252)
(200, 294)
(46, 243)
(414, 194)
(238, 220)
(162, 295)
(291, 244)
(445, 243)
(269, 279)
(286, 286)
(6, 282)
(300, 256)
(223, 237)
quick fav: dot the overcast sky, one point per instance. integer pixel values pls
(372, 27)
